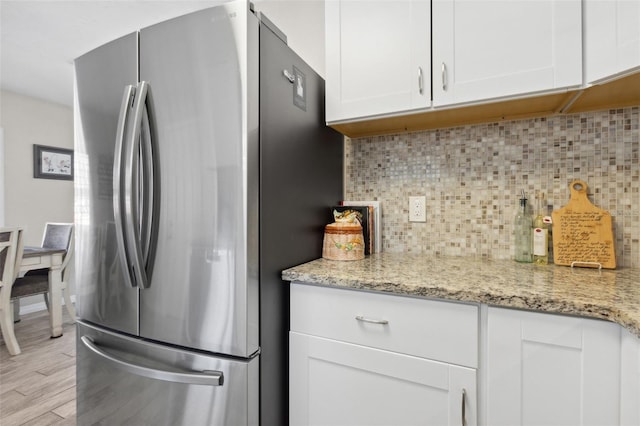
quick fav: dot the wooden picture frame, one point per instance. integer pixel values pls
(50, 162)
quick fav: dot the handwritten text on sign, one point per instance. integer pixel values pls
(581, 238)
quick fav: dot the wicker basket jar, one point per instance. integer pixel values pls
(343, 241)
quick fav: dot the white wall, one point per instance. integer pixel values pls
(303, 23)
(1, 174)
(30, 202)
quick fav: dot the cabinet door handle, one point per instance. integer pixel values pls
(372, 320)
(464, 414)
(444, 77)
(420, 81)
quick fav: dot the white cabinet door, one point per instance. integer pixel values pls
(612, 38)
(377, 57)
(500, 48)
(630, 380)
(336, 383)
(545, 369)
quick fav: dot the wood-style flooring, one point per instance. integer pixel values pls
(38, 387)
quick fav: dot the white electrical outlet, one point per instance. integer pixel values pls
(417, 209)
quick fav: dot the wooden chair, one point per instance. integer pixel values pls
(11, 246)
(56, 236)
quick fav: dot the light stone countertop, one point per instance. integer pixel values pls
(612, 295)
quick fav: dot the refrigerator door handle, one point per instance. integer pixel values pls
(148, 186)
(118, 201)
(135, 171)
(206, 378)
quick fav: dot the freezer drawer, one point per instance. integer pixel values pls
(124, 380)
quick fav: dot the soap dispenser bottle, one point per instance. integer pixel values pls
(522, 232)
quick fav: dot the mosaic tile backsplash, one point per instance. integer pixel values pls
(472, 177)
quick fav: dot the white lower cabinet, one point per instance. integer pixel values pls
(630, 380)
(361, 358)
(545, 369)
(337, 383)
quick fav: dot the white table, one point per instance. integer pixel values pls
(40, 258)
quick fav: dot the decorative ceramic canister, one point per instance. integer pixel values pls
(343, 239)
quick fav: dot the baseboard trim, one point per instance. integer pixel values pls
(40, 306)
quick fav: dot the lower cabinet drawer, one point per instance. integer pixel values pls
(437, 330)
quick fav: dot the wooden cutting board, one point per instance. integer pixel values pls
(582, 232)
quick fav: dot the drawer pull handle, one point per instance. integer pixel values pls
(372, 320)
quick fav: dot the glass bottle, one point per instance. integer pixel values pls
(522, 232)
(540, 234)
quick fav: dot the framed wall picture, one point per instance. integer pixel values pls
(50, 162)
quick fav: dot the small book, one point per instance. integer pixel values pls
(377, 221)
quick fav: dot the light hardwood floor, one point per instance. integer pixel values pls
(38, 387)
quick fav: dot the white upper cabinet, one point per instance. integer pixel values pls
(377, 57)
(612, 38)
(486, 50)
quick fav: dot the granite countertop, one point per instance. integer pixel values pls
(612, 295)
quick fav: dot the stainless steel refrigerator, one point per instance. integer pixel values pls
(203, 168)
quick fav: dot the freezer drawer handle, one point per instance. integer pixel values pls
(207, 378)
